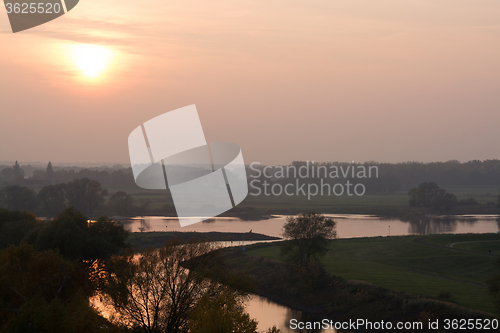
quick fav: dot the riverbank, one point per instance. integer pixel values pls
(380, 278)
(143, 240)
(265, 212)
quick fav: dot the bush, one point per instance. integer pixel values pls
(468, 202)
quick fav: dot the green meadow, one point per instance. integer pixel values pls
(400, 263)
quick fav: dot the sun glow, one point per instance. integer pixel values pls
(91, 60)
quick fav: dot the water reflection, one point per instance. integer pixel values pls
(271, 314)
(348, 226)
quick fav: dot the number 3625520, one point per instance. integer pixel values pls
(33, 8)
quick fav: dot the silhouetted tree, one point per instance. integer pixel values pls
(431, 195)
(20, 198)
(49, 174)
(77, 239)
(143, 205)
(155, 293)
(43, 293)
(121, 203)
(6, 174)
(468, 202)
(444, 199)
(85, 195)
(221, 311)
(52, 199)
(17, 174)
(15, 226)
(308, 236)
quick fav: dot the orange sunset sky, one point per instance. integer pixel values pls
(320, 80)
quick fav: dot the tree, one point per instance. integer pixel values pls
(49, 174)
(222, 311)
(431, 195)
(42, 292)
(6, 174)
(308, 236)
(19, 198)
(85, 195)
(15, 226)
(106, 239)
(51, 199)
(122, 203)
(143, 205)
(67, 233)
(445, 200)
(77, 239)
(154, 292)
(17, 174)
(422, 195)
(89, 244)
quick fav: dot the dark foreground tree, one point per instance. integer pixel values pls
(308, 236)
(221, 312)
(89, 244)
(15, 226)
(155, 293)
(77, 239)
(43, 293)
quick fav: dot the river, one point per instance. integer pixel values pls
(348, 226)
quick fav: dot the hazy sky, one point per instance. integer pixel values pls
(321, 80)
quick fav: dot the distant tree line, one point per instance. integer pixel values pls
(391, 177)
(404, 176)
(85, 195)
(58, 175)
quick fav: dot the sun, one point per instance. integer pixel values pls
(91, 60)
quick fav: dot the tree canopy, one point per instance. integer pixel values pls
(308, 236)
(431, 195)
(85, 195)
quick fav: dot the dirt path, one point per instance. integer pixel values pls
(420, 241)
(483, 241)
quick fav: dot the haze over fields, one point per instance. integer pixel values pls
(319, 80)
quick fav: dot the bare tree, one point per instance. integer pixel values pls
(154, 291)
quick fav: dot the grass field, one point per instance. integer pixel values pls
(398, 263)
(471, 242)
(395, 204)
(381, 204)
